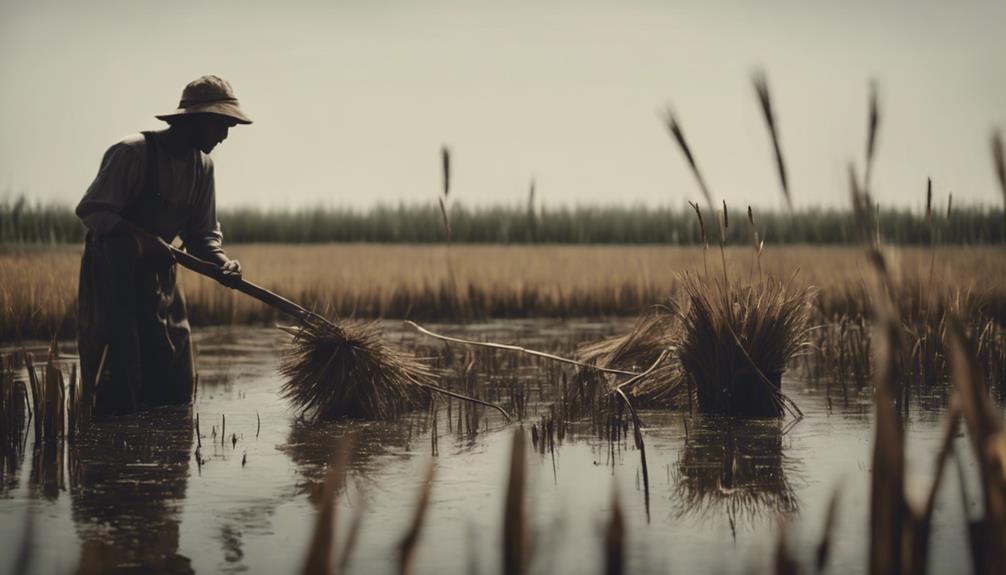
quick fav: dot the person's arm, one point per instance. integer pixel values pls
(202, 236)
(101, 208)
(110, 192)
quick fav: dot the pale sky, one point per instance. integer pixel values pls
(352, 100)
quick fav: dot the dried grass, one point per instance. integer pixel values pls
(13, 421)
(654, 333)
(38, 289)
(349, 372)
(736, 340)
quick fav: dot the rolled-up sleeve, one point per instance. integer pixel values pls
(202, 236)
(111, 189)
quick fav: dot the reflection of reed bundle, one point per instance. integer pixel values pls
(736, 466)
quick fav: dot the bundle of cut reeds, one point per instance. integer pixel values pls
(736, 341)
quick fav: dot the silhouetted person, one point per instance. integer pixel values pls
(150, 189)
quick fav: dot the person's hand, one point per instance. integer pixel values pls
(230, 273)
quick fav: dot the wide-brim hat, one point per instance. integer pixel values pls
(209, 95)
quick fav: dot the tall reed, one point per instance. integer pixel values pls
(14, 419)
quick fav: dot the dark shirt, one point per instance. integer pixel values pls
(186, 182)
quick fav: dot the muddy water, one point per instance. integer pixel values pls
(147, 494)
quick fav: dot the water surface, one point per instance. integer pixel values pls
(146, 493)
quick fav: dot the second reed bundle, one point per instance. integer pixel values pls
(736, 341)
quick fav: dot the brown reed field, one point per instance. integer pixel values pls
(38, 285)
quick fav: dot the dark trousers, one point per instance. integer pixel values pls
(132, 313)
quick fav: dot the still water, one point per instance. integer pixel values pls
(142, 495)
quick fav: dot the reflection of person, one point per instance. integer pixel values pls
(127, 484)
(151, 188)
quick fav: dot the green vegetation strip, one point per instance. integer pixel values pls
(21, 221)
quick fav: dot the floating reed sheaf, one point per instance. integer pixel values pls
(654, 333)
(351, 372)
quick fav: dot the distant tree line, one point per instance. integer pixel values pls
(22, 221)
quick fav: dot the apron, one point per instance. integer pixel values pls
(132, 313)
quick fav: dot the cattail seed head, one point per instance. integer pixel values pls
(929, 198)
(999, 157)
(445, 156)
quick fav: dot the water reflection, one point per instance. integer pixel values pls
(311, 446)
(127, 482)
(47, 478)
(734, 468)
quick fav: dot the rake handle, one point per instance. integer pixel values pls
(212, 271)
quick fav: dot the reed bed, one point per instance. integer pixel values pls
(14, 419)
(48, 399)
(38, 401)
(839, 356)
(38, 286)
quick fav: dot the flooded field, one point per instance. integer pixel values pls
(146, 492)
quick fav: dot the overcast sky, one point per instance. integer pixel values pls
(352, 100)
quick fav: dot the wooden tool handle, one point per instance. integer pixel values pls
(212, 271)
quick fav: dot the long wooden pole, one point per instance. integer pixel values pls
(212, 271)
(305, 316)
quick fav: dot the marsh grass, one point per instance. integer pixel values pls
(901, 526)
(38, 290)
(839, 356)
(48, 398)
(14, 420)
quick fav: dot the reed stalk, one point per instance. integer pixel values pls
(999, 161)
(614, 539)
(319, 556)
(873, 124)
(674, 126)
(515, 536)
(407, 547)
(764, 99)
